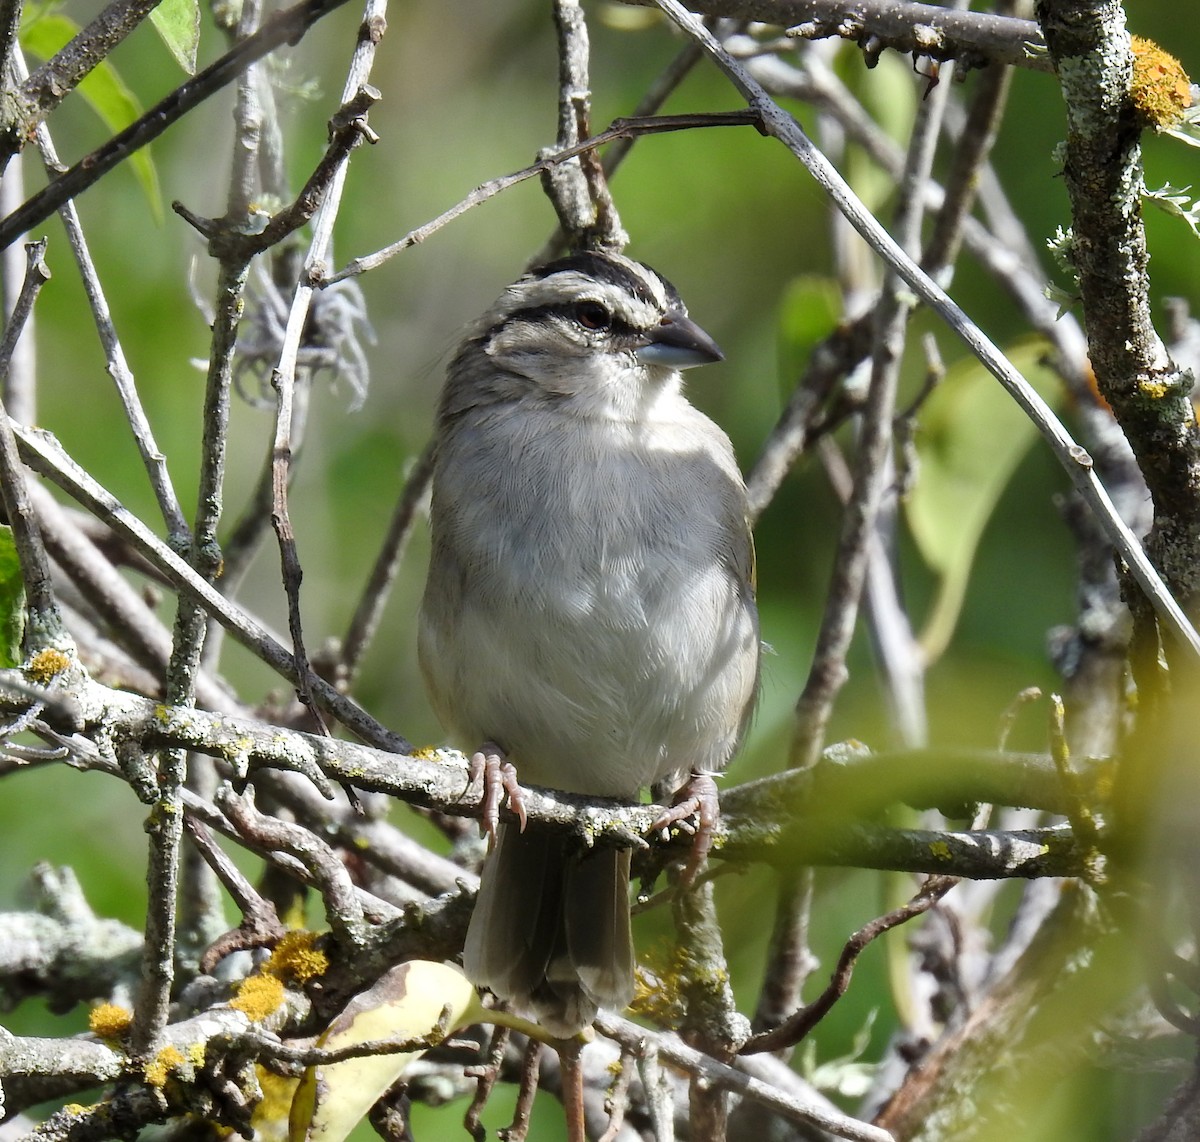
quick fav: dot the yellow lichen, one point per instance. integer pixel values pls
(295, 958)
(109, 1021)
(196, 1053)
(426, 753)
(258, 996)
(1155, 390)
(75, 1108)
(657, 994)
(939, 849)
(157, 1070)
(46, 665)
(1160, 88)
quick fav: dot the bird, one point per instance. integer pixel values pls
(589, 614)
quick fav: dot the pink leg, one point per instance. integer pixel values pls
(499, 777)
(696, 798)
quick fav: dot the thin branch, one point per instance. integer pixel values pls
(1073, 458)
(285, 27)
(791, 1032)
(641, 1042)
(578, 189)
(51, 83)
(367, 615)
(659, 90)
(117, 367)
(117, 603)
(45, 456)
(350, 128)
(973, 38)
(620, 129)
(164, 825)
(873, 468)
(343, 910)
(45, 623)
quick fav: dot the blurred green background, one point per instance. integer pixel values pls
(468, 93)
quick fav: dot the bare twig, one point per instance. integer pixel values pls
(45, 456)
(620, 129)
(366, 617)
(165, 828)
(1074, 459)
(350, 128)
(45, 623)
(284, 27)
(118, 368)
(578, 189)
(641, 1042)
(803, 1021)
(116, 601)
(47, 87)
(972, 38)
(342, 907)
(656, 95)
(872, 465)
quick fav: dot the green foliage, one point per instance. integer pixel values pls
(12, 600)
(102, 88)
(808, 313)
(178, 24)
(972, 436)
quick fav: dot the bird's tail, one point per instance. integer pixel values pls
(550, 932)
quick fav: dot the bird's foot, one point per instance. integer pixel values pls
(696, 800)
(499, 778)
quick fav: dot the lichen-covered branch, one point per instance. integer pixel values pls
(1102, 169)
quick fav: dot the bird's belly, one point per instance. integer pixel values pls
(601, 681)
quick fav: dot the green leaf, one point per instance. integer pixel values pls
(12, 600)
(970, 440)
(103, 90)
(178, 23)
(809, 312)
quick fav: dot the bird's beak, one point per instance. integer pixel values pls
(679, 342)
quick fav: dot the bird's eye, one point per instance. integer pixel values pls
(592, 315)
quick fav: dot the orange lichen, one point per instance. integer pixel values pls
(109, 1021)
(296, 960)
(258, 996)
(46, 664)
(1160, 88)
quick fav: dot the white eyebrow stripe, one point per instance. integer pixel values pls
(571, 286)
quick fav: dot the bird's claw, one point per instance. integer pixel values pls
(696, 810)
(499, 778)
